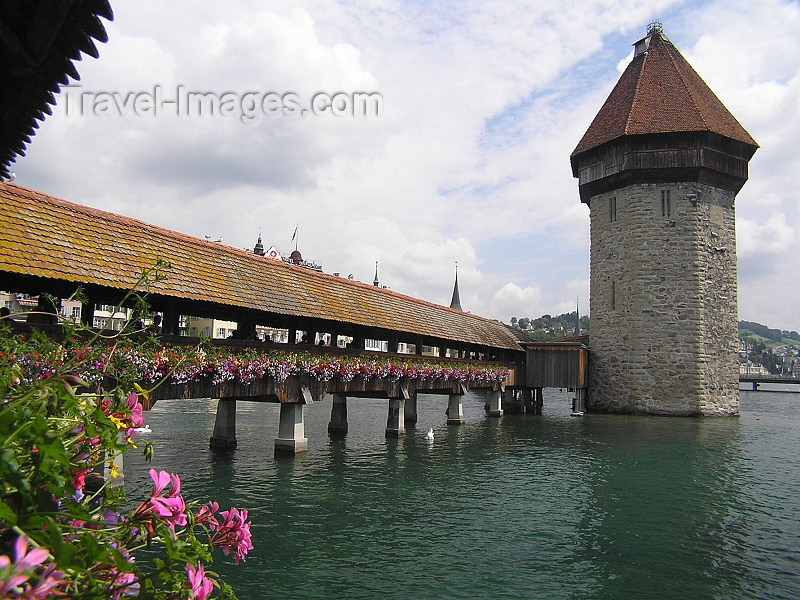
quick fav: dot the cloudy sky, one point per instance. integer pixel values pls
(482, 104)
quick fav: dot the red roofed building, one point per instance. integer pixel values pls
(659, 168)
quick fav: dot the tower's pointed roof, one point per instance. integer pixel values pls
(659, 92)
(456, 300)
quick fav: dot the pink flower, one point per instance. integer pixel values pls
(233, 534)
(200, 584)
(79, 480)
(25, 559)
(49, 580)
(169, 509)
(136, 409)
(206, 515)
(24, 563)
(172, 511)
(160, 480)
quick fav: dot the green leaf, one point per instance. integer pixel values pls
(7, 514)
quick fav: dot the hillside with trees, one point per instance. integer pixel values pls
(774, 349)
(549, 327)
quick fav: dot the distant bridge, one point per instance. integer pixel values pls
(757, 380)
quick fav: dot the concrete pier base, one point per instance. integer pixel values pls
(224, 435)
(395, 422)
(291, 430)
(338, 422)
(455, 410)
(495, 404)
(410, 409)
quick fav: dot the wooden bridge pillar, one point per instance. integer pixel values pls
(395, 422)
(495, 404)
(539, 400)
(170, 322)
(224, 435)
(410, 409)
(528, 405)
(455, 410)
(579, 402)
(87, 312)
(338, 422)
(291, 429)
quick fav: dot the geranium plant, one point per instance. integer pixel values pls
(66, 414)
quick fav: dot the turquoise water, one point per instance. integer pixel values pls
(549, 506)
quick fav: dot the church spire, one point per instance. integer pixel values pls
(577, 318)
(375, 282)
(456, 301)
(259, 247)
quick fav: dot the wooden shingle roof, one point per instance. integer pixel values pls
(51, 238)
(39, 39)
(659, 92)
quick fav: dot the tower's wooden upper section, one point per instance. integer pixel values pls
(661, 122)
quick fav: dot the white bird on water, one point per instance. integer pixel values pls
(145, 429)
(429, 435)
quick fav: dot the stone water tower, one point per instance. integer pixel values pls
(659, 168)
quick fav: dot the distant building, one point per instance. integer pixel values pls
(19, 304)
(294, 258)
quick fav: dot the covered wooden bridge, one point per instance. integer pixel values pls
(48, 245)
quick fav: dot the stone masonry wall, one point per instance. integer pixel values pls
(663, 301)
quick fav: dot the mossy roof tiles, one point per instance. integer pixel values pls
(53, 238)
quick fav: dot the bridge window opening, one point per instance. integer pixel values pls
(666, 208)
(323, 339)
(612, 209)
(376, 345)
(429, 351)
(404, 348)
(272, 334)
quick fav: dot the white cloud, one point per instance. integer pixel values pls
(513, 301)
(470, 161)
(773, 237)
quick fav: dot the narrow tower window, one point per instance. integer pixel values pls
(612, 209)
(666, 208)
(613, 295)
